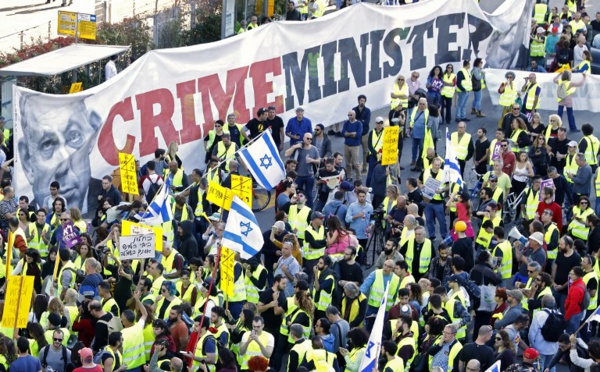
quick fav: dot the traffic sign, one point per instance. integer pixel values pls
(77, 24)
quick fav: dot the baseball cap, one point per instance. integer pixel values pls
(316, 215)
(54, 319)
(261, 111)
(531, 353)
(540, 30)
(215, 217)
(572, 144)
(538, 237)
(379, 119)
(299, 108)
(515, 293)
(554, 29)
(280, 225)
(405, 310)
(346, 186)
(493, 177)
(86, 354)
(453, 278)
(460, 226)
(302, 285)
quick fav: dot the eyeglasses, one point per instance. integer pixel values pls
(531, 271)
(400, 79)
(498, 338)
(317, 131)
(58, 340)
(504, 146)
(379, 122)
(516, 108)
(583, 202)
(309, 139)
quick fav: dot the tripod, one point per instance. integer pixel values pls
(376, 243)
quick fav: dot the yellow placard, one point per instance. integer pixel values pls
(87, 26)
(227, 275)
(67, 23)
(76, 87)
(389, 151)
(219, 195)
(17, 302)
(134, 228)
(129, 183)
(242, 187)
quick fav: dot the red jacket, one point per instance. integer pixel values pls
(556, 210)
(574, 298)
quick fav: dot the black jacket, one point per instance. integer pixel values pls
(189, 246)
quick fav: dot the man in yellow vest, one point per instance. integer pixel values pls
(540, 13)
(315, 243)
(300, 348)
(374, 286)
(172, 262)
(225, 151)
(445, 350)
(206, 351)
(108, 302)
(537, 47)
(589, 145)
(530, 202)
(179, 180)
(319, 359)
(532, 91)
(255, 279)
(590, 279)
(463, 86)
(298, 215)
(418, 252)
(463, 145)
(393, 362)
(256, 342)
(38, 234)
(551, 236)
(434, 207)
(133, 335)
(324, 285)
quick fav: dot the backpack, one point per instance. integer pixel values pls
(561, 91)
(114, 324)
(585, 303)
(562, 56)
(45, 355)
(554, 326)
(152, 190)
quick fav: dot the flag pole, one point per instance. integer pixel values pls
(241, 148)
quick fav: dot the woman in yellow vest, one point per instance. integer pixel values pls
(578, 228)
(82, 253)
(508, 95)
(585, 67)
(354, 305)
(213, 137)
(78, 221)
(554, 122)
(357, 346)
(243, 325)
(399, 97)
(23, 219)
(171, 154)
(519, 136)
(166, 300)
(449, 79)
(188, 292)
(564, 95)
(37, 340)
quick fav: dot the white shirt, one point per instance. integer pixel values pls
(578, 54)
(110, 70)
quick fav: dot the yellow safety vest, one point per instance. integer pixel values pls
(354, 307)
(400, 92)
(199, 207)
(226, 153)
(454, 350)
(184, 211)
(301, 349)
(509, 96)
(110, 260)
(254, 350)
(425, 258)
(593, 300)
(117, 358)
(67, 265)
(552, 253)
(376, 141)
(149, 338)
(591, 151)
(532, 203)
(239, 287)
(577, 25)
(187, 294)
(460, 296)
(461, 148)
(407, 341)
(483, 237)
(168, 263)
(537, 48)
(567, 83)
(524, 303)
(570, 166)
(448, 90)
(378, 288)
(466, 82)
(159, 304)
(108, 304)
(404, 236)
(252, 291)
(530, 91)
(352, 354)
(306, 329)
(544, 292)
(506, 263)
(585, 63)
(291, 307)
(579, 229)
(514, 137)
(199, 353)
(440, 177)
(297, 219)
(156, 284)
(539, 13)
(309, 252)
(49, 334)
(413, 117)
(177, 177)
(396, 364)
(325, 297)
(36, 241)
(213, 175)
(321, 358)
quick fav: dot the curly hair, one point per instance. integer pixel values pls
(56, 306)
(258, 364)
(305, 303)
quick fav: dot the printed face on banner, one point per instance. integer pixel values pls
(56, 146)
(167, 96)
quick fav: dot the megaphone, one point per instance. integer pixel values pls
(515, 234)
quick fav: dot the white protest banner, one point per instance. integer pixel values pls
(431, 187)
(586, 97)
(136, 246)
(177, 94)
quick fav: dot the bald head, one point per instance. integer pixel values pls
(473, 365)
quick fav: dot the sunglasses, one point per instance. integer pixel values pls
(498, 338)
(58, 340)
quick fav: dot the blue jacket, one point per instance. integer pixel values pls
(351, 128)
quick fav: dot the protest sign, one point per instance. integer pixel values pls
(17, 301)
(219, 195)
(136, 246)
(70, 236)
(389, 151)
(134, 228)
(431, 187)
(129, 182)
(227, 267)
(242, 187)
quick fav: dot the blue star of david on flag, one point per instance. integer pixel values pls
(248, 228)
(266, 161)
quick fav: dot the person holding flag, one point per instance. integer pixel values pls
(369, 362)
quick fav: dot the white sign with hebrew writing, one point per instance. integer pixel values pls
(136, 246)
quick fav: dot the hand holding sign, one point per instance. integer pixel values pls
(137, 246)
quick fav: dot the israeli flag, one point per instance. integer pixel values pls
(451, 165)
(369, 362)
(242, 233)
(263, 161)
(159, 211)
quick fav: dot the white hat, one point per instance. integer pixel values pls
(540, 30)
(572, 144)
(538, 237)
(378, 119)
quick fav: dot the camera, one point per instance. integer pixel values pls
(378, 214)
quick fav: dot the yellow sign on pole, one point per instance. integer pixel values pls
(67, 23)
(134, 228)
(219, 195)
(129, 183)
(389, 151)
(242, 187)
(86, 26)
(227, 268)
(18, 301)
(76, 87)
